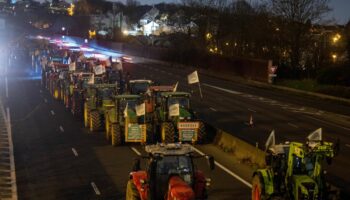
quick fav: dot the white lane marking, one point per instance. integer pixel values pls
(61, 129)
(11, 152)
(213, 109)
(45, 100)
(52, 112)
(293, 125)
(348, 129)
(347, 145)
(94, 186)
(222, 89)
(251, 110)
(136, 151)
(226, 170)
(75, 152)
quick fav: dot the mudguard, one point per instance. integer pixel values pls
(140, 180)
(267, 176)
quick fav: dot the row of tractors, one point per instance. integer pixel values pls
(142, 113)
(162, 118)
(137, 112)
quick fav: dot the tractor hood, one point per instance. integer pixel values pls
(185, 114)
(179, 189)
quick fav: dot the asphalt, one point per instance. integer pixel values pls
(230, 105)
(57, 158)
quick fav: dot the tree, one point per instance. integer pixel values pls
(298, 15)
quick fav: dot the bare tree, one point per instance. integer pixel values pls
(298, 15)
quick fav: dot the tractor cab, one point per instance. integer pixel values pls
(170, 174)
(139, 86)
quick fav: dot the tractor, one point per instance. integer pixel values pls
(295, 170)
(78, 91)
(123, 122)
(170, 174)
(139, 86)
(175, 121)
(98, 98)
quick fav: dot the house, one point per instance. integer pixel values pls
(149, 16)
(151, 28)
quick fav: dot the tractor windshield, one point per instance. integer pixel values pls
(130, 102)
(139, 87)
(179, 165)
(106, 93)
(182, 101)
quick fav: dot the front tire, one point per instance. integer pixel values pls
(116, 135)
(168, 132)
(258, 191)
(131, 191)
(95, 121)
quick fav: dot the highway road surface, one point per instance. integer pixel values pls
(56, 158)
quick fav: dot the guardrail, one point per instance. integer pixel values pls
(8, 186)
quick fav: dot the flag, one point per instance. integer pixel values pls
(175, 87)
(140, 109)
(174, 110)
(99, 69)
(72, 66)
(270, 141)
(92, 79)
(126, 110)
(193, 78)
(315, 136)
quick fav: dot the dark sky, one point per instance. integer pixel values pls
(341, 8)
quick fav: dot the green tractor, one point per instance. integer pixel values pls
(175, 121)
(294, 170)
(98, 97)
(125, 120)
(78, 91)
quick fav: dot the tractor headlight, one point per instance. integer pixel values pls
(207, 182)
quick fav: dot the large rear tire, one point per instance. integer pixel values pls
(95, 121)
(77, 105)
(86, 115)
(258, 191)
(168, 132)
(116, 135)
(131, 191)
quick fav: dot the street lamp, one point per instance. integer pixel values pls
(63, 28)
(334, 56)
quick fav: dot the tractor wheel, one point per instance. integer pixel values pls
(107, 127)
(77, 105)
(202, 133)
(95, 121)
(258, 192)
(86, 115)
(131, 191)
(168, 132)
(116, 135)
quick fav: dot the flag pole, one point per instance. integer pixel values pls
(200, 90)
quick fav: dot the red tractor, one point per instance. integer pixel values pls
(170, 175)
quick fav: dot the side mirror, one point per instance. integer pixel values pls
(211, 162)
(136, 165)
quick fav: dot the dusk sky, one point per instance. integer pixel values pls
(341, 8)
